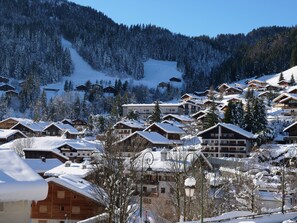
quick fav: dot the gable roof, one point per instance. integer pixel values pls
(233, 128)
(79, 186)
(34, 126)
(153, 137)
(63, 127)
(5, 133)
(290, 126)
(18, 181)
(184, 118)
(132, 124)
(41, 166)
(168, 128)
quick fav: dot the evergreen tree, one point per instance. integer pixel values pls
(156, 116)
(292, 80)
(234, 114)
(212, 117)
(66, 86)
(281, 77)
(77, 108)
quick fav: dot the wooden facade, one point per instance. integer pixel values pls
(291, 133)
(8, 123)
(28, 131)
(220, 141)
(37, 154)
(168, 135)
(64, 204)
(16, 135)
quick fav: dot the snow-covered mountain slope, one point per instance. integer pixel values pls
(274, 78)
(155, 72)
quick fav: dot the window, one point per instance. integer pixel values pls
(162, 190)
(61, 194)
(62, 208)
(42, 209)
(75, 210)
(1, 206)
(144, 189)
(74, 196)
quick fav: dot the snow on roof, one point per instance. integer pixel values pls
(287, 128)
(132, 124)
(34, 126)
(5, 133)
(77, 169)
(154, 137)
(17, 119)
(41, 166)
(63, 127)
(51, 143)
(184, 118)
(80, 186)
(18, 181)
(175, 160)
(232, 128)
(152, 105)
(167, 128)
(176, 123)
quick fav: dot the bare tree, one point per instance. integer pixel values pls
(20, 144)
(110, 173)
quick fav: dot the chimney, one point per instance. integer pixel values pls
(43, 159)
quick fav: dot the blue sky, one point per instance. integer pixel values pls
(199, 17)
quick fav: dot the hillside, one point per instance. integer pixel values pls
(34, 30)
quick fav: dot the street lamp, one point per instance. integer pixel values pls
(149, 161)
(190, 183)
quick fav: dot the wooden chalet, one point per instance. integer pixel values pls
(125, 128)
(11, 93)
(67, 121)
(169, 131)
(284, 83)
(291, 134)
(33, 153)
(6, 87)
(226, 140)
(287, 102)
(233, 90)
(31, 129)
(4, 79)
(109, 90)
(59, 129)
(188, 96)
(184, 119)
(7, 135)
(81, 88)
(69, 199)
(222, 88)
(79, 124)
(10, 122)
(175, 79)
(141, 140)
(292, 90)
(198, 114)
(256, 84)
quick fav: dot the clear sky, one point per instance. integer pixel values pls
(199, 17)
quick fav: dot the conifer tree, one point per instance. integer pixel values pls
(156, 116)
(212, 117)
(281, 77)
(292, 80)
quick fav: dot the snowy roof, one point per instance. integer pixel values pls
(34, 126)
(5, 133)
(169, 128)
(232, 128)
(175, 160)
(176, 123)
(17, 119)
(41, 166)
(78, 185)
(132, 124)
(184, 118)
(152, 105)
(52, 143)
(287, 128)
(18, 181)
(63, 127)
(77, 169)
(152, 137)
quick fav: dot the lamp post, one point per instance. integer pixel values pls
(190, 183)
(149, 161)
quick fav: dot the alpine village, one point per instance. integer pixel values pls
(106, 123)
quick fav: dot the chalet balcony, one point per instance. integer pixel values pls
(230, 144)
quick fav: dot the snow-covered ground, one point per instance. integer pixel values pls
(155, 72)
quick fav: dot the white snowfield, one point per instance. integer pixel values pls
(155, 72)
